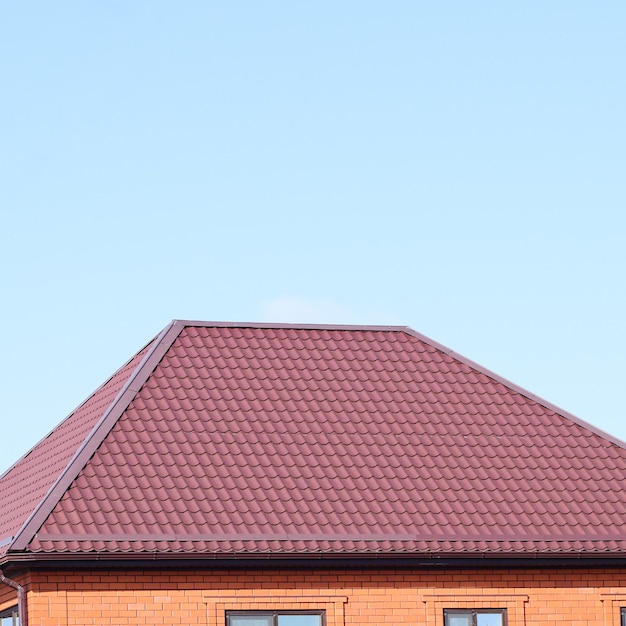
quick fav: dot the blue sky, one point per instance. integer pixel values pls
(455, 167)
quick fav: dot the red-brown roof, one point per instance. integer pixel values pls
(233, 440)
(24, 485)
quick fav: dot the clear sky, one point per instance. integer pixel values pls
(457, 167)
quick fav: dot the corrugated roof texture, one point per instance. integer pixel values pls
(23, 486)
(285, 440)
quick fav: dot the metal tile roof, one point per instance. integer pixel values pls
(24, 485)
(305, 440)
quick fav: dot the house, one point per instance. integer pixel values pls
(301, 475)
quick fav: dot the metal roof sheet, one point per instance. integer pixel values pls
(277, 440)
(25, 484)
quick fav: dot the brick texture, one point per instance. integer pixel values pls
(8, 595)
(572, 597)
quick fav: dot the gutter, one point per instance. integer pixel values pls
(214, 561)
(21, 598)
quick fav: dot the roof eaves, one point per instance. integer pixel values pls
(91, 443)
(269, 561)
(517, 388)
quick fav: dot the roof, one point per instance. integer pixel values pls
(232, 440)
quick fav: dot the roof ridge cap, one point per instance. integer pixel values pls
(97, 435)
(518, 389)
(295, 326)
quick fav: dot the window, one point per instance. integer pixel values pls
(623, 614)
(475, 617)
(274, 618)
(9, 617)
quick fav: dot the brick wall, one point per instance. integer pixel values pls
(572, 597)
(8, 595)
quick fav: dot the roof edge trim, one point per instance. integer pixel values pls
(507, 383)
(97, 435)
(269, 561)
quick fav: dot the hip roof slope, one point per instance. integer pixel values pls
(25, 484)
(273, 439)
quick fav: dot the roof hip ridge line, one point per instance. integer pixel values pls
(518, 388)
(94, 439)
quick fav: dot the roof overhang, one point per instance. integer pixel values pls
(263, 561)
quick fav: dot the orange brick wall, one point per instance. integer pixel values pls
(8, 595)
(568, 597)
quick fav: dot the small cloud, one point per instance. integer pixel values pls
(291, 309)
(296, 310)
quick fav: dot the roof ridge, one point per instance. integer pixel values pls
(72, 412)
(517, 388)
(294, 326)
(97, 435)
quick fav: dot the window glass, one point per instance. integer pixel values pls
(475, 617)
(488, 619)
(299, 620)
(272, 618)
(9, 618)
(249, 620)
(459, 619)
